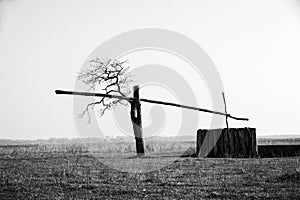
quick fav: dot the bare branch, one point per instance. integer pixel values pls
(109, 75)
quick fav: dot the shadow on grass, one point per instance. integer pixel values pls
(289, 177)
(153, 157)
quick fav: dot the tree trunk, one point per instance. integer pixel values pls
(136, 119)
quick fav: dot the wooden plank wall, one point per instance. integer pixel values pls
(230, 143)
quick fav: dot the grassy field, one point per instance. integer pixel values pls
(71, 172)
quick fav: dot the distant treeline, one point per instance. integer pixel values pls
(278, 141)
(260, 140)
(92, 140)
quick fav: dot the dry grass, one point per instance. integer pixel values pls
(70, 173)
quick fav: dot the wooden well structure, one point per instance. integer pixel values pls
(210, 143)
(227, 143)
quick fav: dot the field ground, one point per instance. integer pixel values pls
(76, 174)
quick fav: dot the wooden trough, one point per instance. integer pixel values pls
(227, 143)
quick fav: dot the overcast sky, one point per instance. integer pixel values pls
(254, 44)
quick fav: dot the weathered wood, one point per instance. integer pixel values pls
(226, 145)
(199, 142)
(146, 100)
(231, 143)
(253, 143)
(234, 142)
(136, 118)
(247, 142)
(200, 139)
(219, 134)
(251, 153)
(242, 139)
(192, 108)
(91, 94)
(217, 142)
(215, 139)
(226, 116)
(210, 144)
(201, 148)
(207, 144)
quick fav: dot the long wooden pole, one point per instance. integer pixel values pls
(92, 94)
(225, 110)
(148, 101)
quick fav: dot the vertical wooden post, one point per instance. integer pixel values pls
(237, 143)
(226, 143)
(225, 110)
(247, 142)
(201, 134)
(231, 143)
(214, 141)
(220, 143)
(242, 139)
(136, 118)
(200, 139)
(226, 132)
(253, 143)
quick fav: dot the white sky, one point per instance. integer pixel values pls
(254, 44)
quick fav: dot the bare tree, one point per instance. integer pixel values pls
(109, 76)
(112, 77)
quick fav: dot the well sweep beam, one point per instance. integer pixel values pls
(148, 101)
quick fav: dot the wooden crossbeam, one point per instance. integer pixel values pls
(147, 101)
